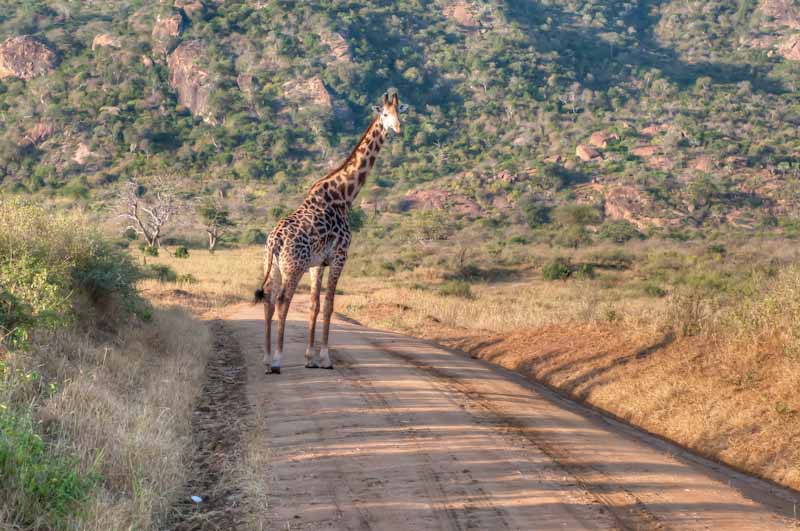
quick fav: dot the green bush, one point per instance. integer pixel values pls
(39, 485)
(456, 288)
(619, 231)
(149, 250)
(654, 290)
(253, 236)
(181, 252)
(162, 273)
(47, 262)
(559, 268)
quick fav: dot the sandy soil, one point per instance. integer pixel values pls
(404, 434)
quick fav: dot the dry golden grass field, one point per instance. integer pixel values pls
(656, 342)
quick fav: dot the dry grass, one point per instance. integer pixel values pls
(206, 281)
(717, 374)
(124, 408)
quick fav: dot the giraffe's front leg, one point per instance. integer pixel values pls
(316, 281)
(330, 292)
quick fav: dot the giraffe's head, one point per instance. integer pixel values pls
(390, 111)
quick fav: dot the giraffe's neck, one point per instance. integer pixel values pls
(342, 185)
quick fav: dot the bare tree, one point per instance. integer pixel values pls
(148, 210)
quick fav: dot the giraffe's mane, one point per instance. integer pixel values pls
(346, 161)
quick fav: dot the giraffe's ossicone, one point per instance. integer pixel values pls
(317, 235)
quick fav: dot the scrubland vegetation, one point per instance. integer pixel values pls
(96, 383)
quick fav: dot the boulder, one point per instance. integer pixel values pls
(166, 30)
(25, 57)
(703, 163)
(463, 13)
(105, 39)
(38, 134)
(83, 154)
(438, 199)
(190, 80)
(340, 51)
(782, 12)
(629, 204)
(586, 153)
(600, 139)
(789, 47)
(644, 151)
(308, 91)
(193, 9)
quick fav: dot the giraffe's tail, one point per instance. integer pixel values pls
(259, 294)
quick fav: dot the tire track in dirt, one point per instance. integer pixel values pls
(219, 420)
(628, 510)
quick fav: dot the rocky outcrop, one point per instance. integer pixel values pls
(308, 92)
(340, 51)
(601, 140)
(83, 154)
(105, 39)
(193, 9)
(464, 14)
(190, 80)
(586, 152)
(25, 57)
(629, 204)
(166, 31)
(782, 12)
(789, 48)
(645, 151)
(38, 134)
(437, 199)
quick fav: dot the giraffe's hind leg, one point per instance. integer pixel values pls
(316, 281)
(269, 309)
(292, 278)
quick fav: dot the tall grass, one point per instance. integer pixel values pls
(97, 386)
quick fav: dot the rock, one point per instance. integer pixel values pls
(629, 204)
(25, 57)
(653, 130)
(789, 47)
(193, 9)
(782, 12)
(505, 176)
(586, 153)
(437, 199)
(553, 159)
(600, 140)
(105, 39)
(703, 163)
(166, 30)
(463, 13)
(644, 151)
(245, 84)
(146, 61)
(38, 134)
(308, 91)
(111, 109)
(338, 45)
(187, 76)
(83, 154)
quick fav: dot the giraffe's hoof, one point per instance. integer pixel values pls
(312, 366)
(273, 370)
(328, 367)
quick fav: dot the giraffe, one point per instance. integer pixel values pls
(317, 235)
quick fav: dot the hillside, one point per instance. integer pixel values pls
(611, 118)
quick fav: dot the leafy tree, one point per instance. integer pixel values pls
(215, 218)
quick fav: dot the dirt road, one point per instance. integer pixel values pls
(406, 435)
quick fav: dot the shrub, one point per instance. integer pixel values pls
(149, 250)
(619, 231)
(47, 262)
(456, 288)
(162, 273)
(253, 236)
(654, 290)
(559, 268)
(584, 271)
(181, 252)
(38, 484)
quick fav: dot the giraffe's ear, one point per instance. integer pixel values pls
(402, 108)
(378, 109)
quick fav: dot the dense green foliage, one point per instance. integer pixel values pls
(514, 88)
(50, 263)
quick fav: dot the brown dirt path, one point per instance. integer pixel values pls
(406, 435)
